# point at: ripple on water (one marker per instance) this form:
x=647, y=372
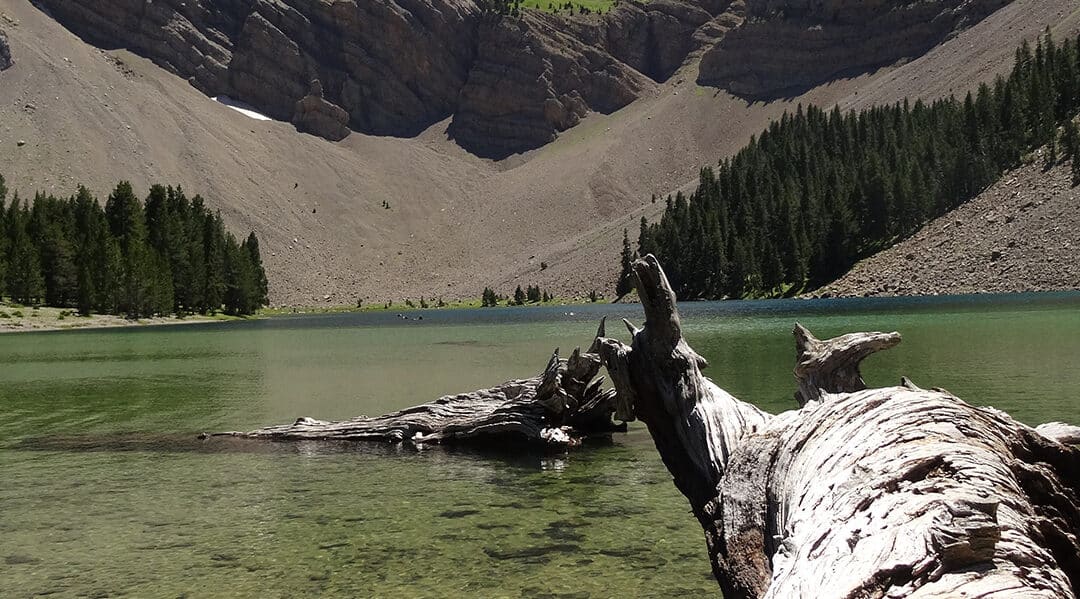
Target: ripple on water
x=107, y=491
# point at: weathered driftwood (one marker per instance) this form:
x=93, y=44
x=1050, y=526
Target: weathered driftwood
x=558, y=408
x=894, y=492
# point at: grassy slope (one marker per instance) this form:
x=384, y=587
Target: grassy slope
x=15, y=318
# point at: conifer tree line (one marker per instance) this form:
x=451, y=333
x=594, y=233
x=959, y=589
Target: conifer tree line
x=818, y=190
x=532, y=294
x=167, y=255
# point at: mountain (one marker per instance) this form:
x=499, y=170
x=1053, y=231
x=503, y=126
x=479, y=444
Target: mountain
x=509, y=150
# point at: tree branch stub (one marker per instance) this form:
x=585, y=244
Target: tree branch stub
x=832, y=365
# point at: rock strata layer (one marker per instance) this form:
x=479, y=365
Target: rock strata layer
x=508, y=83
x=787, y=46
x=314, y=115
x=396, y=67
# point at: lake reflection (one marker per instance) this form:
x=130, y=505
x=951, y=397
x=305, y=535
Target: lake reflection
x=108, y=492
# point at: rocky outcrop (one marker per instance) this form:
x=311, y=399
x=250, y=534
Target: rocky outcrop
x=532, y=79
x=395, y=67
x=314, y=115
x=5, y=52
x=787, y=46
x=540, y=74
x=654, y=38
x=510, y=84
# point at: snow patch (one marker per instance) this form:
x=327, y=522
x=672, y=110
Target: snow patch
x=243, y=108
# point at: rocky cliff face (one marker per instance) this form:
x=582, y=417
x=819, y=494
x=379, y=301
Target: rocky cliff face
x=532, y=79
x=395, y=67
x=786, y=46
x=540, y=74
x=5, y=52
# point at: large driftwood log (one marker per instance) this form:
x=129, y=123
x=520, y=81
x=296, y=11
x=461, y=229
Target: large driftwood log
x=894, y=492
x=557, y=408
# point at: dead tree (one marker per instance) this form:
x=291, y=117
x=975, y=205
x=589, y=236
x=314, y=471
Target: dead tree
x=894, y=492
x=557, y=408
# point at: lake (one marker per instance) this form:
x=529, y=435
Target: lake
x=107, y=492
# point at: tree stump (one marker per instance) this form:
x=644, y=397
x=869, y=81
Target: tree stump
x=558, y=408
x=893, y=492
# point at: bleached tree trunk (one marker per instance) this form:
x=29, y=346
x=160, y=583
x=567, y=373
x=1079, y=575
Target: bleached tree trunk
x=559, y=408
x=894, y=492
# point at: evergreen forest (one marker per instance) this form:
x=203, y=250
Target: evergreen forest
x=166, y=255
x=819, y=190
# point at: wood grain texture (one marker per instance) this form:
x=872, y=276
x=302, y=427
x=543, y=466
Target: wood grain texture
x=558, y=408
x=892, y=492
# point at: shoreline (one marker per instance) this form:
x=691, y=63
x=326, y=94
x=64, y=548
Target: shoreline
x=19, y=319
x=24, y=319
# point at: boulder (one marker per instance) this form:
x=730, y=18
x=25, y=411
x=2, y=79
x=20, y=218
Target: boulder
x=314, y=115
x=5, y=52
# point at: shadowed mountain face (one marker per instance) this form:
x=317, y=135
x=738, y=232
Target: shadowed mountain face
x=395, y=67
x=785, y=47
x=510, y=84
x=455, y=223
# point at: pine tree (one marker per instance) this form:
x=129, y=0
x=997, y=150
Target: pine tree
x=24, y=279
x=519, y=296
x=128, y=225
x=214, y=262
x=1070, y=139
x=241, y=292
x=261, y=286
x=3, y=238
x=818, y=190
x=625, y=283
x=50, y=227
x=645, y=245
x=131, y=258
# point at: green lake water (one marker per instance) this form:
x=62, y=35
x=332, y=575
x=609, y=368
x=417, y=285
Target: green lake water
x=105, y=491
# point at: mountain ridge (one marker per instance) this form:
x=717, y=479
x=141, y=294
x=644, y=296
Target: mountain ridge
x=508, y=83
x=456, y=222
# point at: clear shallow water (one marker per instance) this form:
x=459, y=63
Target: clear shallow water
x=105, y=491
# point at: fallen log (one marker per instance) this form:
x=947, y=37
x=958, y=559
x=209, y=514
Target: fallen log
x=558, y=408
x=893, y=492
